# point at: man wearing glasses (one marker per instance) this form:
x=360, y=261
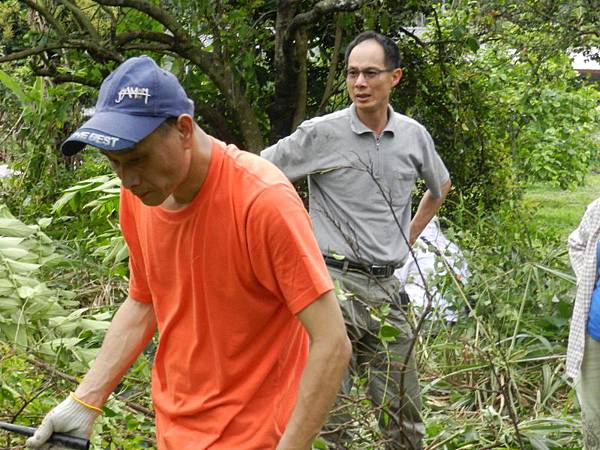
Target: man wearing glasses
x=362, y=163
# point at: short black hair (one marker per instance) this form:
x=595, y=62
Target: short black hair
x=390, y=49
x=166, y=126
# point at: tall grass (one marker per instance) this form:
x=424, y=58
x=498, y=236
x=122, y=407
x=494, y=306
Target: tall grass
x=495, y=378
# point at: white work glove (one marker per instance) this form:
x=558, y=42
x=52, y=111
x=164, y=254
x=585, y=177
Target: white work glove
x=68, y=417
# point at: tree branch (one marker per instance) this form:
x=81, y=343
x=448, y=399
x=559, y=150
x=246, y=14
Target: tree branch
x=81, y=19
x=215, y=119
x=54, y=371
x=65, y=78
x=95, y=47
x=30, y=52
x=46, y=15
x=321, y=8
x=157, y=13
x=412, y=35
x=333, y=64
x=213, y=24
x=129, y=36
x=155, y=47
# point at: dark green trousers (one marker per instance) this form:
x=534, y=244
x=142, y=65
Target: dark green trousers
x=391, y=377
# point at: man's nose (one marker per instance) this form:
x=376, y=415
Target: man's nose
x=129, y=178
x=360, y=79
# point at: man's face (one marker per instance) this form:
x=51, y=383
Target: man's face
x=155, y=167
x=368, y=79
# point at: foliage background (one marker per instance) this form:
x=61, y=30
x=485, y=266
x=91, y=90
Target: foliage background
x=491, y=80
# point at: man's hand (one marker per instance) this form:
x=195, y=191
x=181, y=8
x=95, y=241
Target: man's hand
x=68, y=417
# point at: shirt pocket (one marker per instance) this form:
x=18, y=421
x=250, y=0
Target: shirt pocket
x=402, y=183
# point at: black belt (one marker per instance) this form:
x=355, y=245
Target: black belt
x=346, y=264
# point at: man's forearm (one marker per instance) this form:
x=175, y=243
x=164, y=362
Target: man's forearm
x=330, y=352
x=131, y=329
x=320, y=383
x=428, y=207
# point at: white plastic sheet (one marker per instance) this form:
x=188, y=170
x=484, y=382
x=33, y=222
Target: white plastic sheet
x=431, y=249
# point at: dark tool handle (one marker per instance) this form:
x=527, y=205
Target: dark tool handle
x=67, y=440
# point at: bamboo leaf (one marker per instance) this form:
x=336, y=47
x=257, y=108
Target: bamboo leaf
x=14, y=86
x=10, y=242
x=21, y=267
x=14, y=228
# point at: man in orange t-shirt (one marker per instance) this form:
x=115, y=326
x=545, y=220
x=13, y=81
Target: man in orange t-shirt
x=224, y=264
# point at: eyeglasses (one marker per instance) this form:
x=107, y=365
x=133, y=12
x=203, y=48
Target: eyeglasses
x=369, y=74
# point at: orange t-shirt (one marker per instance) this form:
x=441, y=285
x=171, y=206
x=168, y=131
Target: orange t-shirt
x=226, y=276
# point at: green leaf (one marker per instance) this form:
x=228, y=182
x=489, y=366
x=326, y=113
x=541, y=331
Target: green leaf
x=13, y=253
x=14, y=228
x=10, y=242
x=44, y=223
x=63, y=200
x=15, y=333
x=94, y=325
x=472, y=44
x=388, y=332
x=8, y=304
x=21, y=267
x=14, y=86
x=319, y=444
x=54, y=345
x=538, y=444
x=113, y=186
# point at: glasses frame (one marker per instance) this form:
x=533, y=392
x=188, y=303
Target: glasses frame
x=370, y=73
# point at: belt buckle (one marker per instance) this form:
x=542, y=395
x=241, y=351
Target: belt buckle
x=382, y=271
x=377, y=270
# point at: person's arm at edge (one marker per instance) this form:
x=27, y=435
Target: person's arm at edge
x=428, y=207
x=578, y=240
x=328, y=358
x=130, y=331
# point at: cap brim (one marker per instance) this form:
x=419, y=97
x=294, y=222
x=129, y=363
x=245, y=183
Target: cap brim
x=111, y=131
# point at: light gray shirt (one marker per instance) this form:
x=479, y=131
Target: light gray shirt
x=360, y=184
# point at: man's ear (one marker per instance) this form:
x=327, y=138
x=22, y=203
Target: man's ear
x=397, y=76
x=185, y=127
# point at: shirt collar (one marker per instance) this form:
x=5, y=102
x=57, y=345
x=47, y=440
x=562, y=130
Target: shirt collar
x=360, y=128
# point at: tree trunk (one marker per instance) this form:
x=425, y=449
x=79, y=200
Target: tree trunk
x=301, y=51
x=282, y=110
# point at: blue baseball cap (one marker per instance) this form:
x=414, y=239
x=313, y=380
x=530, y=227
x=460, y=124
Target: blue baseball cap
x=133, y=101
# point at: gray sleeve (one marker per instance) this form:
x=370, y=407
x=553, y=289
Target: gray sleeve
x=296, y=154
x=432, y=169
